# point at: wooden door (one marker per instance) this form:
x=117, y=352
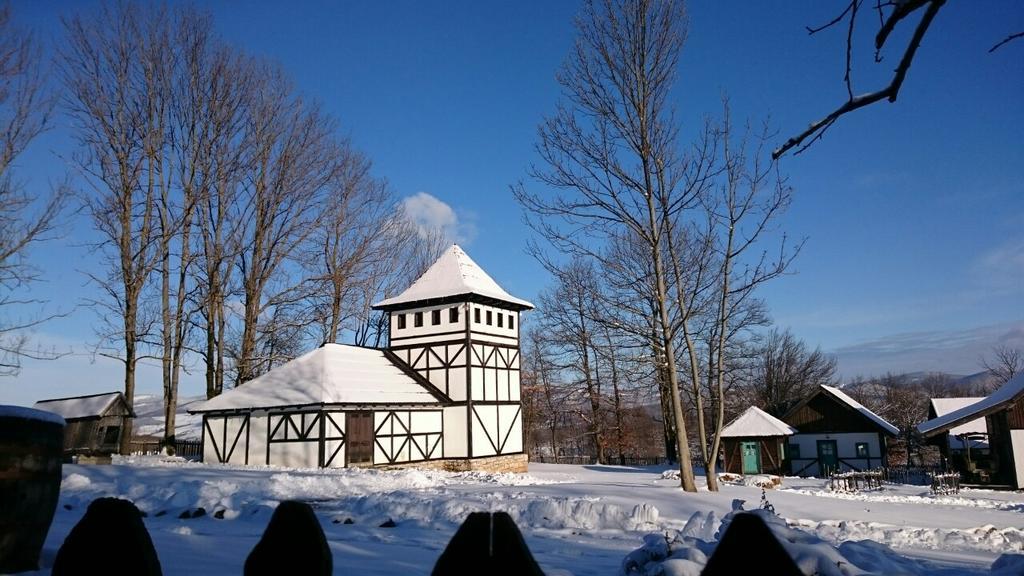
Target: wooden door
x=828, y=457
x=751, y=457
x=359, y=435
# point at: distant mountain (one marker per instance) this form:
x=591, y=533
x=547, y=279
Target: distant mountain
x=949, y=385
x=149, y=417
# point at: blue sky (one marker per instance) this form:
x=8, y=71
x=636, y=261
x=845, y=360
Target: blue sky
x=913, y=212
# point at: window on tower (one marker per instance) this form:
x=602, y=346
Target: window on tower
x=435, y=317
x=489, y=318
x=501, y=320
x=476, y=315
x=417, y=319
x=511, y=321
x=453, y=314
x=401, y=321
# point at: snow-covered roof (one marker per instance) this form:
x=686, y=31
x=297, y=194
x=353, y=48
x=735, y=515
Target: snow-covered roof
x=25, y=413
x=331, y=374
x=845, y=399
x=1006, y=394
x=453, y=274
x=943, y=406
x=92, y=406
x=755, y=422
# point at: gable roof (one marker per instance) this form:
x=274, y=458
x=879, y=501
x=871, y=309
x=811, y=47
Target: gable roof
x=943, y=406
x=755, y=422
x=846, y=399
x=453, y=274
x=1002, y=398
x=89, y=406
x=332, y=374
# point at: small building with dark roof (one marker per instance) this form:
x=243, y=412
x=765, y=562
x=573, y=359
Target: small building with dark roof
x=835, y=433
x=1003, y=411
x=754, y=443
x=95, y=422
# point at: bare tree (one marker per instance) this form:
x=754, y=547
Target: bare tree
x=567, y=319
x=117, y=99
x=890, y=16
x=291, y=161
x=1005, y=363
x=411, y=250
x=786, y=371
x=609, y=151
x=352, y=240
x=24, y=113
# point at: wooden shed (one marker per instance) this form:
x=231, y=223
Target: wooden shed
x=835, y=433
x=754, y=443
x=1003, y=411
x=94, y=422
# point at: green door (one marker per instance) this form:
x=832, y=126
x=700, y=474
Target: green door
x=751, y=457
x=828, y=457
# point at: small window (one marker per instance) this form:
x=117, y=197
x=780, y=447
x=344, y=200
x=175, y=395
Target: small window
x=111, y=434
x=511, y=322
x=417, y=319
x=501, y=320
x=794, y=451
x=401, y=321
x=453, y=314
x=862, y=449
x=476, y=315
x=435, y=317
x=489, y=318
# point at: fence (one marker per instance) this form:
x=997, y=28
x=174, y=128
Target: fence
x=855, y=481
x=915, y=475
x=592, y=460
x=188, y=449
x=946, y=483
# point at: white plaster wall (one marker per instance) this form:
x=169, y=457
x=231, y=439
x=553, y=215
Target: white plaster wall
x=457, y=384
x=427, y=329
x=484, y=423
x=455, y=432
x=485, y=332
x=258, y=437
x=423, y=422
x=331, y=445
x=236, y=430
x=514, y=431
x=845, y=447
x=515, y=393
x=1017, y=446
x=295, y=454
x=211, y=429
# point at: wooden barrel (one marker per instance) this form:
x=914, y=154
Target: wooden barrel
x=31, y=446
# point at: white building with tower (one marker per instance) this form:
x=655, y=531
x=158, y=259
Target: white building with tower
x=444, y=392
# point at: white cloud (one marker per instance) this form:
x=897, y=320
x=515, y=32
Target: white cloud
x=953, y=351
x=429, y=214
x=1001, y=268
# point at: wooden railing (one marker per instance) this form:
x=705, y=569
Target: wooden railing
x=946, y=483
x=592, y=460
x=188, y=449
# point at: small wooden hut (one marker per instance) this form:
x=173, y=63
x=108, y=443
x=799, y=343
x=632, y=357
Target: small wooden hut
x=94, y=422
x=754, y=443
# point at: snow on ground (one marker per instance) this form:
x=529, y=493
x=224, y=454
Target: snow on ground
x=576, y=519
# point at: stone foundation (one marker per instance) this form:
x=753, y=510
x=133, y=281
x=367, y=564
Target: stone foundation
x=511, y=463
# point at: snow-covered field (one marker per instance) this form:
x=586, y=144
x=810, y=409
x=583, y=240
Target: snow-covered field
x=576, y=519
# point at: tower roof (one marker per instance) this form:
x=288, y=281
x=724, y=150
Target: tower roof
x=453, y=276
